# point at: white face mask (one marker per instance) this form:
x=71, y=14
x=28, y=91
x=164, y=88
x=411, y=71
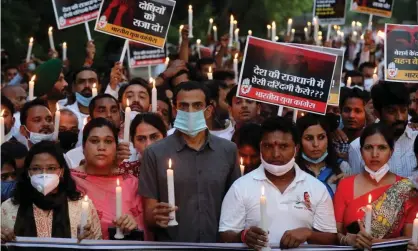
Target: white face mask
x=379, y=174
x=45, y=183
x=35, y=138
x=9, y=135
x=278, y=170
x=368, y=84
x=133, y=114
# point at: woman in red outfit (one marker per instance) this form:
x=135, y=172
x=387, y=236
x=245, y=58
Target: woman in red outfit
x=394, y=199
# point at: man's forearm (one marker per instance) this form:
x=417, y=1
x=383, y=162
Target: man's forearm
x=230, y=236
x=219, y=56
x=322, y=238
x=184, y=51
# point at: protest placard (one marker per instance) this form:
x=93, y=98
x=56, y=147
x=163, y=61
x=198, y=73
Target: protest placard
x=334, y=97
x=142, y=55
x=381, y=8
x=141, y=21
x=285, y=75
x=401, y=53
x=72, y=12
x=329, y=11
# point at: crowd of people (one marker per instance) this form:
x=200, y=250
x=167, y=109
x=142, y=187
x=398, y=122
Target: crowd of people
x=317, y=175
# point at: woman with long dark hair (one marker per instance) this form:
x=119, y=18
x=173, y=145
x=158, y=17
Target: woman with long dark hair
x=46, y=202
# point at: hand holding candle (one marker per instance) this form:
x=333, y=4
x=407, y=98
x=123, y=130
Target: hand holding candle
x=119, y=234
x=171, y=197
x=28, y=54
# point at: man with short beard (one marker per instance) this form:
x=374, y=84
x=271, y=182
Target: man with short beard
x=390, y=102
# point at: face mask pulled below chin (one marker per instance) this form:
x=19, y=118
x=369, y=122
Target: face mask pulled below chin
x=379, y=174
x=35, y=138
x=190, y=123
x=7, y=188
x=368, y=84
x=315, y=161
x=45, y=183
x=276, y=169
x=84, y=101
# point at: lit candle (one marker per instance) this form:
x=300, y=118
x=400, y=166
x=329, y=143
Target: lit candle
x=415, y=231
x=57, y=122
x=210, y=25
x=273, y=31
x=29, y=50
x=84, y=214
x=231, y=30
x=276, y=38
x=295, y=115
x=375, y=76
x=236, y=67
x=2, y=127
x=370, y=22
x=359, y=26
x=198, y=47
x=119, y=234
x=190, y=21
x=328, y=32
x=180, y=30
x=268, y=31
x=316, y=28
x=235, y=24
x=127, y=123
x=210, y=74
x=250, y=32
x=263, y=211
x=51, y=39
x=64, y=51
x=153, y=96
x=309, y=27
x=236, y=35
x=368, y=218
x=171, y=197
x=94, y=91
x=354, y=38
x=280, y=111
x=31, y=87
x=348, y=82
x=85, y=121
x=125, y=47
x=289, y=26
x=306, y=33
x=241, y=166
x=149, y=71
x=292, y=35
x=86, y=25
x=215, y=33
x=353, y=25
x=167, y=61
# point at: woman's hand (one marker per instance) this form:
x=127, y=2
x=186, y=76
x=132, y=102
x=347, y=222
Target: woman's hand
x=411, y=246
x=362, y=240
x=7, y=235
x=87, y=233
x=126, y=223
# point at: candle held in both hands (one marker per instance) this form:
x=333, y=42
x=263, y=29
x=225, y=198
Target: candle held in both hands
x=119, y=234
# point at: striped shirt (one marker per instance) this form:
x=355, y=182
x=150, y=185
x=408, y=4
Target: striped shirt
x=402, y=162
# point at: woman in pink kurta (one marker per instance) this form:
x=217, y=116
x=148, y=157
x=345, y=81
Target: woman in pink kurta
x=98, y=178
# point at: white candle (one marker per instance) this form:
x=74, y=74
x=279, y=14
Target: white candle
x=242, y=167
x=295, y=115
x=94, y=90
x=57, y=122
x=210, y=74
x=276, y=38
x=353, y=25
x=127, y=123
x=84, y=213
x=370, y=22
x=316, y=28
x=415, y=231
x=29, y=50
x=309, y=27
x=231, y=30
x=125, y=47
x=198, y=47
x=348, y=82
x=64, y=51
x=85, y=121
x=31, y=87
x=329, y=32
x=171, y=197
x=149, y=71
x=250, y=32
x=153, y=96
x=2, y=127
x=190, y=21
x=268, y=31
x=289, y=26
x=86, y=25
x=180, y=37
x=236, y=35
x=280, y=111
x=215, y=33
x=273, y=31
x=359, y=26
x=375, y=77
x=263, y=211
x=51, y=39
x=368, y=218
x=235, y=24
x=210, y=25
x=236, y=67
x=167, y=61
x=306, y=33
x=292, y=35
x=119, y=234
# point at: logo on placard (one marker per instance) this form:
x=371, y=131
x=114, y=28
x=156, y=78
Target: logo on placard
x=392, y=70
x=62, y=20
x=102, y=22
x=245, y=86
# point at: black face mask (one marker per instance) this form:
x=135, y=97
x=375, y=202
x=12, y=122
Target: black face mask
x=68, y=140
x=333, y=121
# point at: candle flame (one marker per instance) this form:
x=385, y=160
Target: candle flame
x=236, y=31
x=242, y=161
x=169, y=163
x=276, y=38
x=94, y=85
x=417, y=215
x=235, y=21
x=86, y=198
x=167, y=60
x=250, y=32
x=127, y=102
x=375, y=70
x=359, y=24
x=273, y=24
x=117, y=182
x=198, y=41
x=2, y=112
x=64, y=45
x=181, y=27
x=262, y=190
x=268, y=26
x=290, y=21
x=215, y=28
x=305, y=29
x=50, y=29
x=353, y=23
x=236, y=55
x=293, y=30
x=57, y=106
x=355, y=33
x=190, y=7
x=302, y=114
x=231, y=18
x=152, y=81
x=31, y=40
x=210, y=20
x=370, y=198
x=309, y=23
x=33, y=78
x=210, y=69
x=335, y=27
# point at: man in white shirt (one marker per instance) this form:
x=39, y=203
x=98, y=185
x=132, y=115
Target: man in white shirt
x=390, y=102
x=299, y=208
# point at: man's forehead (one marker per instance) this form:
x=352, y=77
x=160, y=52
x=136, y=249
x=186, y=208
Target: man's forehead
x=86, y=74
x=277, y=136
x=107, y=102
x=38, y=110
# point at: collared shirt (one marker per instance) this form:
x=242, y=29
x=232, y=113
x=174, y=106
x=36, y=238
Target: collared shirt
x=201, y=180
x=402, y=162
x=304, y=203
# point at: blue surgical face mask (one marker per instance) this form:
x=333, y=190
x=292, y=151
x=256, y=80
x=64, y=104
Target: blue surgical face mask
x=7, y=188
x=315, y=161
x=190, y=123
x=84, y=101
x=31, y=67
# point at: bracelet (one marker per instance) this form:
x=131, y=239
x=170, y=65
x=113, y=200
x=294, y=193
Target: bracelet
x=341, y=240
x=244, y=235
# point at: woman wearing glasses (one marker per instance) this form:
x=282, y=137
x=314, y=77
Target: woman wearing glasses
x=46, y=202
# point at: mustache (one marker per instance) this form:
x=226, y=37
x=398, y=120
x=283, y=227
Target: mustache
x=400, y=122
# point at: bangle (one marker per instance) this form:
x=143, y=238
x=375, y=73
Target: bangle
x=244, y=235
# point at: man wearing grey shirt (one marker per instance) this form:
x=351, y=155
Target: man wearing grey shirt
x=204, y=168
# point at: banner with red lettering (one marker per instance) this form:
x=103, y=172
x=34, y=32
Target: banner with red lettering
x=285, y=75
x=73, y=12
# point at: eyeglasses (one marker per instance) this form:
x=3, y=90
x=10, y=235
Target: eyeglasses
x=38, y=170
